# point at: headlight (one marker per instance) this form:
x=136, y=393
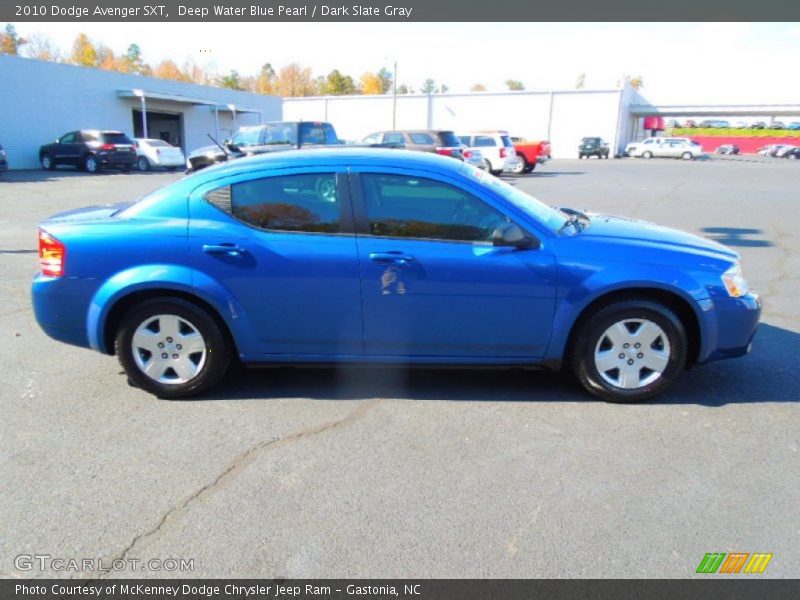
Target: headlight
x=734, y=281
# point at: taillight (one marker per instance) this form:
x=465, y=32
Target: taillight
x=107, y=147
x=502, y=152
x=51, y=255
x=467, y=153
x=444, y=151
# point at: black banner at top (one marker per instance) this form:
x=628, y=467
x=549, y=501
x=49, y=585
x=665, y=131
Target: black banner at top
x=397, y=10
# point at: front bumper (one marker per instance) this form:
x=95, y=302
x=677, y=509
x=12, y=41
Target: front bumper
x=3, y=165
x=731, y=324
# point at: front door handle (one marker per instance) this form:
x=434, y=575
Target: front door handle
x=391, y=257
x=226, y=249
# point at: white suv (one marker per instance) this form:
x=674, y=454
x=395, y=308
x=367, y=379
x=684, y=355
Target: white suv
x=496, y=148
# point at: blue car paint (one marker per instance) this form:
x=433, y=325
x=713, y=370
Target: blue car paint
x=520, y=310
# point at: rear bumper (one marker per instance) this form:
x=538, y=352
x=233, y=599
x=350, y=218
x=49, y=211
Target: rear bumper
x=61, y=306
x=731, y=324
x=113, y=160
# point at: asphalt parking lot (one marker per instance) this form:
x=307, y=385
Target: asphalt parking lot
x=393, y=473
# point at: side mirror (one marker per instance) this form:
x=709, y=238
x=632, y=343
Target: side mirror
x=57, y=141
x=511, y=234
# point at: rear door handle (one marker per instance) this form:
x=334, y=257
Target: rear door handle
x=227, y=249
x=391, y=257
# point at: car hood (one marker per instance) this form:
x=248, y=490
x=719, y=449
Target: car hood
x=215, y=150
x=607, y=228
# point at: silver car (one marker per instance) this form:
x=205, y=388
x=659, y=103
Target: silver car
x=665, y=148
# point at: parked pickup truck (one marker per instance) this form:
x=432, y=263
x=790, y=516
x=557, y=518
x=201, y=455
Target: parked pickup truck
x=529, y=154
x=260, y=139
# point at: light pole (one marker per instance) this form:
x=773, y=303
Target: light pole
x=140, y=94
x=394, y=97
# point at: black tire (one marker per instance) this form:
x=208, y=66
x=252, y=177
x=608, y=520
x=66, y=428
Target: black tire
x=487, y=165
x=143, y=164
x=91, y=164
x=47, y=161
x=530, y=168
x=215, y=363
x=126, y=168
x=497, y=172
x=590, y=336
x=520, y=166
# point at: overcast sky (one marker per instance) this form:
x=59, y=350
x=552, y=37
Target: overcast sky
x=680, y=62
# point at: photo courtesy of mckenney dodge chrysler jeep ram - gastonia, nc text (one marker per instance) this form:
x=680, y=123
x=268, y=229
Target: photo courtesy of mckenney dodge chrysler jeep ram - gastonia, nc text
x=366, y=255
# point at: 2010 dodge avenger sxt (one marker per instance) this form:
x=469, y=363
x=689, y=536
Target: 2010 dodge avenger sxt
x=383, y=256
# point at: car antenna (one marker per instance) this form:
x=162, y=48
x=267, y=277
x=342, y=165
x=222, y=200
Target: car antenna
x=220, y=146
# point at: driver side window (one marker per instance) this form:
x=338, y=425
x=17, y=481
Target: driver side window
x=403, y=206
x=67, y=139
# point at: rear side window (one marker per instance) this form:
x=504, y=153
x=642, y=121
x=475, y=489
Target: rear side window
x=306, y=202
x=449, y=138
x=464, y=140
x=317, y=133
x=421, y=138
x=393, y=137
x=483, y=141
x=414, y=207
x=115, y=138
x=507, y=141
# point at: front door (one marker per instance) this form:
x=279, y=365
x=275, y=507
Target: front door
x=433, y=285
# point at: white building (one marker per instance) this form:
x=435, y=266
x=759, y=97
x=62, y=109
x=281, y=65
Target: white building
x=40, y=101
x=561, y=116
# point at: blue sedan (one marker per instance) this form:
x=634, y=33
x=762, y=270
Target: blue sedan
x=383, y=256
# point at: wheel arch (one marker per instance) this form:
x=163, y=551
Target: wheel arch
x=680, y=305
x=127, y=302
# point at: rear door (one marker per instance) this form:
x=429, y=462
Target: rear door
x=282, y=244
x=434, y=287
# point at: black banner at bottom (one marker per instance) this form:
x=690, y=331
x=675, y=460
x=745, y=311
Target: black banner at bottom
x=399, y=589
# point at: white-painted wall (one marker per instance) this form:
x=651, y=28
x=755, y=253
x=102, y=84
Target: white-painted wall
x=40, y=101
x=562, y=116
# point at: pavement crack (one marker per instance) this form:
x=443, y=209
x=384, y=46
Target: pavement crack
x=239, y=464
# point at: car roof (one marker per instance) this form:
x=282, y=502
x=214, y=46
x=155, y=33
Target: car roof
x=336, y=156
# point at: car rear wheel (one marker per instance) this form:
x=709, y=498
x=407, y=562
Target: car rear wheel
x=686, y=156
x=47, y=162
x=90, y=164
x=629, y=351
x=487, y=165
x=520, y=166
x=143, y=164
x=172, y=348
x=647, y=154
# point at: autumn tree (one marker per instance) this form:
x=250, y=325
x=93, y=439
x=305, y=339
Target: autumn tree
x=337, y=84
x=478, y=87
x=385, y=79
x=41, y=47
x=106, y=59
x=293, y=80
x=167, y=69
x=371, y=84
x=514, y=85
x=265, y=81
x=10, y=42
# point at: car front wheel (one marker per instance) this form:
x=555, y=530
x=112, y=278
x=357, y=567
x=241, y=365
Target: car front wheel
x=47, y=162
x=686, y=156
x=172, y=348
x=629, y=351
x=647, y=154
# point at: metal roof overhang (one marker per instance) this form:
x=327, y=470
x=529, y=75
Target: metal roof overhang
x=212, y=104
x=729, y=110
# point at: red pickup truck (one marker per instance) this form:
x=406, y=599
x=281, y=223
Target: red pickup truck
x=529, y=154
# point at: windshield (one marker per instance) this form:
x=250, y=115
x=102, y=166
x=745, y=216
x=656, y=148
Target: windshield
x=547, y=215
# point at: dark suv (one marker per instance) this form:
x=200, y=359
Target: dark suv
x=437, y=141
x=593, y=146
x=90, y=150
x=261, y=139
